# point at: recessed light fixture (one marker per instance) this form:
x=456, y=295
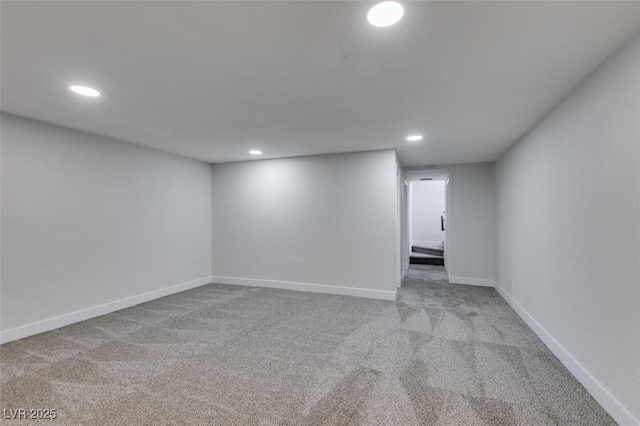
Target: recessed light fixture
x=385, y=14
x=255, y=152
x=85, y=91
x=414, y=138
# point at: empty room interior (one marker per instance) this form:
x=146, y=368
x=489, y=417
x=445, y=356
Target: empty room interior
x=320, y=213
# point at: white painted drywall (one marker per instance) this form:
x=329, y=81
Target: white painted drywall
x=447, y=201
x=470, y=227
x=569, y=227
x=88, y=220
x=427, y=205
x=405, y=250
x=323, y=220
x=398, y=223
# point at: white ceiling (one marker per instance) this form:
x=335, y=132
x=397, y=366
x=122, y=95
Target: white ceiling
x=211, y=80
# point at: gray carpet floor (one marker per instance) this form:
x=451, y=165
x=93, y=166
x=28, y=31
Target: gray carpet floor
x=441, y=354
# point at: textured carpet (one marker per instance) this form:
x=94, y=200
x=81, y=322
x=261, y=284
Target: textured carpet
x=441, y=355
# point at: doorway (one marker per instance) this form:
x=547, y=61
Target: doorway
x=427, y=221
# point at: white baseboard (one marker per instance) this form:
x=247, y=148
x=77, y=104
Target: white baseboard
x=95, y=311
x=481, y=282
x=314, y=288
x=619, y=413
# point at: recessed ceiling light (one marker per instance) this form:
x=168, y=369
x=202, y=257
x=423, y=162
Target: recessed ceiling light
x=84, y=91
x=414, y=138
x=255, y=152
x=385, y=14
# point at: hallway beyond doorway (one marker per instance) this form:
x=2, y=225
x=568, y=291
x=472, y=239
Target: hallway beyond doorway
x=426, y=221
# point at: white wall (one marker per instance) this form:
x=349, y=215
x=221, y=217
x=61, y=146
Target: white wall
x=569, y=231
x=470, y=227
x=427, y=205
x=404, y=222
x=307, y=223
x=398, y=221
x=88, y=220
x=447, y=208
